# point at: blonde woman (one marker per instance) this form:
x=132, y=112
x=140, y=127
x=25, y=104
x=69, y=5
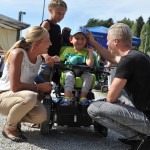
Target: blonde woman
x=18, y=92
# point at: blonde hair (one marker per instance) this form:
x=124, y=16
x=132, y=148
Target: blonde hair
x=34, y=34
x=121, y=31
x=57, y=3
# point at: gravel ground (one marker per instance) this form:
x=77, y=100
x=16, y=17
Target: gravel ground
x=63, y=138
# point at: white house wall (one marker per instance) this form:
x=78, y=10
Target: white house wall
x=7, y=38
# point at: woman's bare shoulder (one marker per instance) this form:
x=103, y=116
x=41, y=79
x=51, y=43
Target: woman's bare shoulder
x=16, y=53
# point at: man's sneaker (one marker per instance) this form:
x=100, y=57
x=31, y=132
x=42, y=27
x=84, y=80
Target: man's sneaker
x=139, y=142
x=100, y=130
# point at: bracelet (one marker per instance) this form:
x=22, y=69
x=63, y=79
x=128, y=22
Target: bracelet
x=35, y=87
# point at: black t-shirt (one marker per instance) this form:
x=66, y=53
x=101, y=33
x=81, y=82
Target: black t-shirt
x=55, y=37
x=135, y=67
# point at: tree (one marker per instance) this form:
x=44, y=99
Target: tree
x=137, y=27
x=108, y=23
x=129, y=22
x=145, y=38
x=95, y=22
x=92, y=22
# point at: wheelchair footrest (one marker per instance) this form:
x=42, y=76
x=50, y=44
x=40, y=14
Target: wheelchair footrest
x=73, y=116
x=72, y=109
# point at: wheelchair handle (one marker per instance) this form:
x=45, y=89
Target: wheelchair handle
x=92, y=69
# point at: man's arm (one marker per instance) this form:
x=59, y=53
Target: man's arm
x=115, y=89
x=103, y=51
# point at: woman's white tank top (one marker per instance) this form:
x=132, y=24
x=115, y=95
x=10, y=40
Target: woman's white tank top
x=28, y=71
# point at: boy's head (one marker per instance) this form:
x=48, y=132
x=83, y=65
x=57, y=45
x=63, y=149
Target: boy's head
x=77, y=31
x=78, y=38
x=57, y=9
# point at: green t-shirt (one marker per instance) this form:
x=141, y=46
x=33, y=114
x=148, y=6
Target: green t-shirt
x=84, y=53
x=69, y=50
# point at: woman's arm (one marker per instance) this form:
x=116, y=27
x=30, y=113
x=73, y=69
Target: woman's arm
x=15, y=60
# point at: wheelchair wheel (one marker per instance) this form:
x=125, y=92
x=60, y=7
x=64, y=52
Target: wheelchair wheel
x=46, y=126
x=100, y=130
x=90, y=96
x=97, y=86
x=104, y=88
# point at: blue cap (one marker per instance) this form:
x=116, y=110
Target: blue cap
x=77, y=30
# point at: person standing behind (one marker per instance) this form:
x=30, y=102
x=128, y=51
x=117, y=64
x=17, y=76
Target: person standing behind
x=133, y=75
x=18, y=92
x=57, y=10
x=65, y=36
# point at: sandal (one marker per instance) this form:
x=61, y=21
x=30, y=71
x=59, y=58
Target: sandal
x=35, y=126
x=65, y=102
x=84, y=101
x=18, y=138
x=19, y=128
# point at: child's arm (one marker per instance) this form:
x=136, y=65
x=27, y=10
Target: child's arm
x=90, y=59
x=62, y=53
x=48, y=60
x=46, y=25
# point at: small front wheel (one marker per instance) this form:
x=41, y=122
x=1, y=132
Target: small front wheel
x=104, y=88
x=46, y=126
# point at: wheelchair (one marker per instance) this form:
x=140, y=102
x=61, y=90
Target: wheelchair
x=74, y=115
x=102, y=82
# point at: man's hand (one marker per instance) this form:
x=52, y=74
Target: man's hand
x=90, y=36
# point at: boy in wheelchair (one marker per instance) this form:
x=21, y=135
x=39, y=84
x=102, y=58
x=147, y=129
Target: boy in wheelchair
x=77, y=54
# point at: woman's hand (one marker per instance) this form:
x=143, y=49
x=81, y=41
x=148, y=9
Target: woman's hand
x=45, y=87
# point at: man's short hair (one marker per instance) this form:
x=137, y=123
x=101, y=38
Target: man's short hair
x=121, y=31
